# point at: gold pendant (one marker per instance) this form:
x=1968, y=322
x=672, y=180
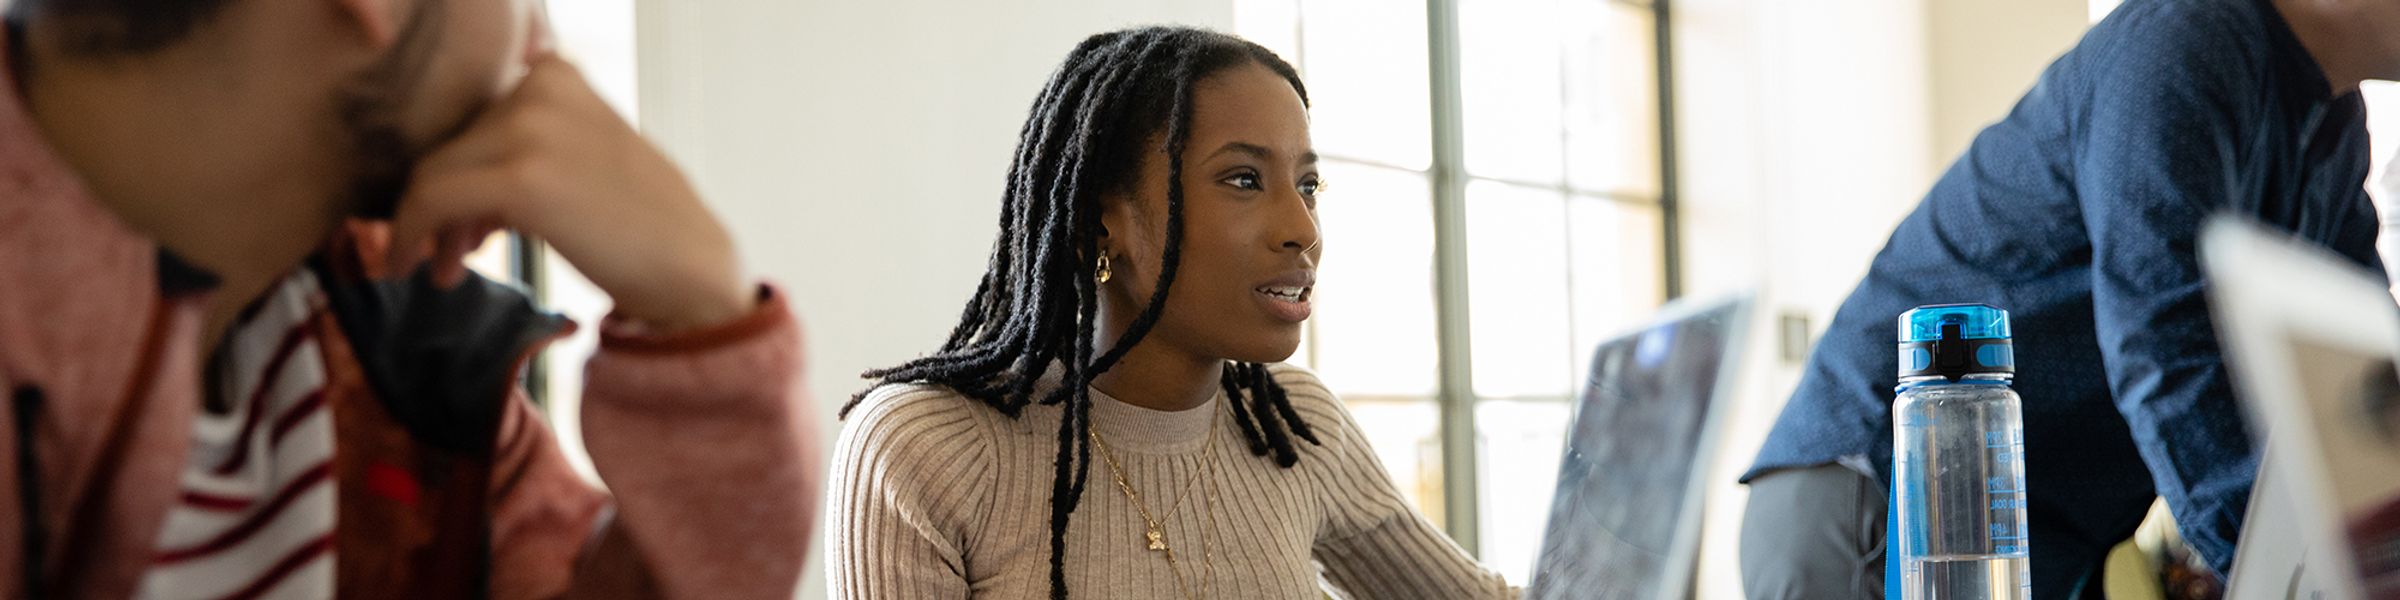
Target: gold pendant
x=1157, y=542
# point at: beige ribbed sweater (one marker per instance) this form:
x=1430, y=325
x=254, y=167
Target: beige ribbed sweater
x=935, y=495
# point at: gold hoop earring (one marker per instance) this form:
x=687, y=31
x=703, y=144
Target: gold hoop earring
x=1100, y=272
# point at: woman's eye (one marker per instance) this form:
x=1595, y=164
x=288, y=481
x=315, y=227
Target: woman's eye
x=1247, y=181
x=1312, y=187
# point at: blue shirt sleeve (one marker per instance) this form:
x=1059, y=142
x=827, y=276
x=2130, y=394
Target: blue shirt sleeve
x=2162, y=148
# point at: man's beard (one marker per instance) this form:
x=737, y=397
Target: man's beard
x=372, y=108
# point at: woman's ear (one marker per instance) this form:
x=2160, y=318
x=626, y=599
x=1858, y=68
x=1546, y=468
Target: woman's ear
x=1116, y=214
x=1102, y=273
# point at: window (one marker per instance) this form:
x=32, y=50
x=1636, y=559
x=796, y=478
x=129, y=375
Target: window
x=1553, y=196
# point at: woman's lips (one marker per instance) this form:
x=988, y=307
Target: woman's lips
x=1286, y=297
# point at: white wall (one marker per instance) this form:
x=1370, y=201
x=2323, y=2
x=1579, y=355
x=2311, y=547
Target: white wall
x=1803, y=137
x=857, y=148
x=1986, y=53
x=1807, y=130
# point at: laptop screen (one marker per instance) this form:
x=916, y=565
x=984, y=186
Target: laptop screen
x=2356, y=434
x=2311, y=339
x=1623, y=520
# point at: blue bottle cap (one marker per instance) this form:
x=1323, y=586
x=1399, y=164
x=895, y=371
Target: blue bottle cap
x=1975, y=322
x=1955, y=340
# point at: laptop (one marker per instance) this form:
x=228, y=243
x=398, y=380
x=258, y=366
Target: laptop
x=2311, y=340
x=1624, y=522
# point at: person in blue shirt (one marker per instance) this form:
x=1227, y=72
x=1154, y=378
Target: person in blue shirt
x=2079, y=213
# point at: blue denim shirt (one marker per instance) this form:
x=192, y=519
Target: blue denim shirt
x=2079, y=213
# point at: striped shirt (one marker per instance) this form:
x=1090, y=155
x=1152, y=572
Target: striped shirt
x=935, y=495
x=256, y=516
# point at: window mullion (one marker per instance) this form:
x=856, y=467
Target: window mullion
x=1670, y=210
x=1449, y=183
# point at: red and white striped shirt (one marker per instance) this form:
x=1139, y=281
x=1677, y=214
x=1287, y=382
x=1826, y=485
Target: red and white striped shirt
x=256, y=516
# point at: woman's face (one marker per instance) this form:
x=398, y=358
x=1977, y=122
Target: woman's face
x=1250, y=246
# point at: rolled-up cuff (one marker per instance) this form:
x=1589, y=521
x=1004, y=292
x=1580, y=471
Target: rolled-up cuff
x=621, y=334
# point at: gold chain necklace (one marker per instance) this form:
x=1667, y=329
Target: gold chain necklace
x=1155, y=533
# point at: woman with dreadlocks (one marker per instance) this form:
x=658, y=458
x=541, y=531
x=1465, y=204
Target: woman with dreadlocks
x=1107, y=418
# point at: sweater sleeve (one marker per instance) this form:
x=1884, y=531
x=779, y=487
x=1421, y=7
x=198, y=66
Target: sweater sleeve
x=1374, y=545
x=701, y=435
x=912, y=474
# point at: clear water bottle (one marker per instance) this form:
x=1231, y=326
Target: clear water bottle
x=1958, y=458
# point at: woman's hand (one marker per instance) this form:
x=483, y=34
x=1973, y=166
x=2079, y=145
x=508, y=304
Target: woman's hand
x=553, y=161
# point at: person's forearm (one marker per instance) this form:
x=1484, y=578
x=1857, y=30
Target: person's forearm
x=701, y=437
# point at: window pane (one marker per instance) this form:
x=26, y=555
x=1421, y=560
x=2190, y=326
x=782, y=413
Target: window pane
x=567, y=292
x=1365, y=69
x=1611, y=98
x=494, y=259
x=1272, y=23
x=1509, y=72
x=1517, y=277
x=1612, y=250
x=1619, y=277
x=1405, y=433
x=1373, y=332
x=2383, y=142
x=598, y=36
x=1522, y=442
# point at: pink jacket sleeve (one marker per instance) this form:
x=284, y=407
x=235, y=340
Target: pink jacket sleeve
x=702, y=437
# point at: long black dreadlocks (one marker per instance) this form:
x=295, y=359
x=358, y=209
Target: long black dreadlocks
x=1035, y=306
